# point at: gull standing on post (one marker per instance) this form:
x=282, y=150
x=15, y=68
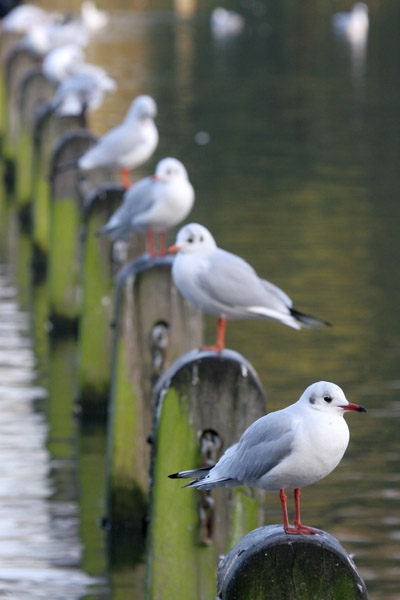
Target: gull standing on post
x=285, y=450
x=153, y=205
x=127, y=145
x=224, y=285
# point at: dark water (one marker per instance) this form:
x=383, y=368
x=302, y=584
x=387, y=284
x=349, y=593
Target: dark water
x=300, y=177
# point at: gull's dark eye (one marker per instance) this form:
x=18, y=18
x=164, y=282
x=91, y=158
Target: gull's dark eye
x=201, y=239
x=190, y=240
x=328, y=399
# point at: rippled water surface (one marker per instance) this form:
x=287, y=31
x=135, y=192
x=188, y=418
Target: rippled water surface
x=300, y=177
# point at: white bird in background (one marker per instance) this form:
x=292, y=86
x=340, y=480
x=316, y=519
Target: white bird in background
x=43, y=38
x=92, y=18
x=21, y=18
x=224, y=285
x=285, y=450
x=353, y=28
x=353, y=25
x=225, y=23
x=129, y=144
x=83, y=91
x=61, y=63
x=153, y=205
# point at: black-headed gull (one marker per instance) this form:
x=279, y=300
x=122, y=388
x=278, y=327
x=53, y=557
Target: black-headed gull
x=154, y=204
x=224, y=285
x=285, y=450
x=127, y=145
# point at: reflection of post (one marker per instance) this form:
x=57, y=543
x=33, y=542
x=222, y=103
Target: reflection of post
x=204, y=402
x=154, y=325
x=185, y=8
x=268, y=563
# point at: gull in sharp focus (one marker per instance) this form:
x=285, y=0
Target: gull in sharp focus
x=285, y=450
x=154, y=204
x=127, y=145
x=224, y=285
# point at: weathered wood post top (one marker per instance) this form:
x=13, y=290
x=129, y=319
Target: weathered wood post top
x=269, y=564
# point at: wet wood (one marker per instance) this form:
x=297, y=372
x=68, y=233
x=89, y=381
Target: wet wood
x=204, y=397
x=68, y=189
x=268, y=564
x=33, y=89
x=48, y=128
x=17, y=61
x=154, y=325
x=95, y=333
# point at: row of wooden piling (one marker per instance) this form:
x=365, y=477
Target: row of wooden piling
x=166, y=406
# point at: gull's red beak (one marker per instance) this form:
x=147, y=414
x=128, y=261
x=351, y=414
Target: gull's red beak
x=354, y=407
x=173, y=249
x=155, y=178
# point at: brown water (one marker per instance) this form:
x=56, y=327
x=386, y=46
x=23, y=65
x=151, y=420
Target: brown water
x=300, y=177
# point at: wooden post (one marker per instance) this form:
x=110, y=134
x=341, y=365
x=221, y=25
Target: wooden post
x=204, y=402
x=33, y=89
x=268, y=564
x=68, y=188
x=17, y=62
x=153, y=326
x=47, y=129
x=99, y=265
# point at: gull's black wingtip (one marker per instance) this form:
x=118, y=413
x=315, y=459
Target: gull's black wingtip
x=174, y=476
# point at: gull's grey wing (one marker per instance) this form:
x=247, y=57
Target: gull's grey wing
x=138, y=199
x=232, y=282
x=262, y=446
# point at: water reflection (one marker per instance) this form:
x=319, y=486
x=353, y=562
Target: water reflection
x=40, y=549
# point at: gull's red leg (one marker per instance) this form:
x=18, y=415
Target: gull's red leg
x=299, y=528
x=283, y=498
x=162, y=247
x=125, y=178
x=150, y=242
x=220, y=344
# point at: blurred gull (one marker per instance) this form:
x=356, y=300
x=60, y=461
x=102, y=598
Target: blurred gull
x=224, y=285
x=354, y=24
x=21, y=18
x=92, y=18
x=60, y=63
x=83, y=91
x=44, y=36
x=353, y=28
x=127, y=145
x=225, y=23
x=285, y=450
x=154, y=204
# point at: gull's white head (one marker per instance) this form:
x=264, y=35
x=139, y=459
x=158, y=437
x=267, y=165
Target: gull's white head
x=142, y=107
x=328, y=397
x=170, y=170
x=192, y=239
